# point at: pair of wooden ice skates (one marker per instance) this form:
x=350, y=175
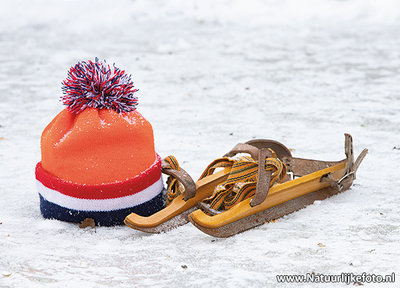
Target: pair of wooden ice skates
x=248, y=191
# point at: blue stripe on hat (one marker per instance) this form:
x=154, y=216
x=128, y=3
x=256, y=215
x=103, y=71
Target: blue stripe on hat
x=103, y=218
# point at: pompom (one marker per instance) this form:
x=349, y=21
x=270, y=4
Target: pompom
x=97, y=85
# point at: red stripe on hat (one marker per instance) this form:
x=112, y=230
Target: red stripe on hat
x=105, y=191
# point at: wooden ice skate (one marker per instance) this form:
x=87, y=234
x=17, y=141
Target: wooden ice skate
x=312, y=180
x=188, y=194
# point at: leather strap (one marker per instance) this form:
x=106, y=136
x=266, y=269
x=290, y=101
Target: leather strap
x=243, y=148
x=348, y=149
x=263, y=179
x=182, y=176
x=351, y=166
x=359, y=159
x=281, y=150
x=206, y=207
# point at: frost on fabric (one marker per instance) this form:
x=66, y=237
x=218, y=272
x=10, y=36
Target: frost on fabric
x=130, y=120
x=63, y=138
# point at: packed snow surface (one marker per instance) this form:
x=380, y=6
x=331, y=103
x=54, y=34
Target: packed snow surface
x=211, y=74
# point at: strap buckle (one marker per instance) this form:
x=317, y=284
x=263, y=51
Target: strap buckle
x=339, y=182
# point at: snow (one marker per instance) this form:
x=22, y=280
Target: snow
x=211, y=74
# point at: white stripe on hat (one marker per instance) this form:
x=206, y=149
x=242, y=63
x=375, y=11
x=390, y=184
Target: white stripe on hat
x=100, y=204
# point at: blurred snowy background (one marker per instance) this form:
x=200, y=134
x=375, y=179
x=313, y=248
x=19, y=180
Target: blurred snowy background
x=211, y=74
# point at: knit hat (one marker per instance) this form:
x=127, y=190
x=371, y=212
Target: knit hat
x=98, y=157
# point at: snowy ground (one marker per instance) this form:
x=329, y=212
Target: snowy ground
x=210, y=75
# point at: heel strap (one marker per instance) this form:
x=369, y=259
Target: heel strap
x=178, y=177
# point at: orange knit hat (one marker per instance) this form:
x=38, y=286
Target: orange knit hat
x=98, y=157
x=97, y=146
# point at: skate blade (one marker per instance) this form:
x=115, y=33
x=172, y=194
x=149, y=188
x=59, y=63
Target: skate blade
x=168, y=225
x=268, y=215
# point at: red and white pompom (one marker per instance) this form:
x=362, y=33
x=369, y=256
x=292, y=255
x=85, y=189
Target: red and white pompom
x=97, y=85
